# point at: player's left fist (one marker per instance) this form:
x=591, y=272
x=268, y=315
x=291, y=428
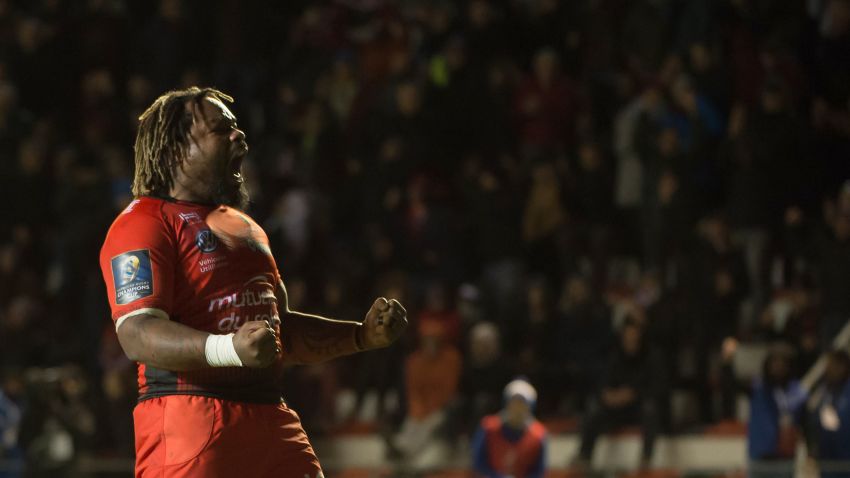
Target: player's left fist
x=385, y=322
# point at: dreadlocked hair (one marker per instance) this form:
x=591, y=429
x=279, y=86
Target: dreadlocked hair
x=163, y=138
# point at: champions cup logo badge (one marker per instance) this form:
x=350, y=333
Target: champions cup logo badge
x=206, y=241
x=129, y=269
x=132, y=276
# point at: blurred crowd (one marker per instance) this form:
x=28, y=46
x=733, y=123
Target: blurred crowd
x=603, y=196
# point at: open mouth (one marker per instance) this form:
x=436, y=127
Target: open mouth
x=235, y=165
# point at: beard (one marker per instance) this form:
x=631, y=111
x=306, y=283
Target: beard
x=233, y=194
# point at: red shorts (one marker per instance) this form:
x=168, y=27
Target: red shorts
x=187, y=436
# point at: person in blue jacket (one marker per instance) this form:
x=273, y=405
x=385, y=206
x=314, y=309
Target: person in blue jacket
x=776, y=407
x=512, y=443
x=832, y=418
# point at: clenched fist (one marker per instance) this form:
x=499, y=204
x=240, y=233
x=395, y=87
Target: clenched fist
x=256, y=344
x=384, y=323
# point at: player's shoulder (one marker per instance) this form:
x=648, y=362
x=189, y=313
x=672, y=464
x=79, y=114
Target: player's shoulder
x=142, y=210
x=142, y=220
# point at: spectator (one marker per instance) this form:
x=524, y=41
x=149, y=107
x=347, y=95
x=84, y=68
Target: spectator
x=645, y=34
x=776, y=147
x=10, y=420
x=633, y=124
x=485, y=370
x=629, y=395
x=792, y=317
x=776, y=408
x=665, y=198
x=829, y=251
x=545, y=106
x=832, y=417
x=708, y=74
x=533, y=337
x=438, y=308
x=120, y=391
x=719, y=286
x=382, y=372
x=343, y=88
x=592, y=196
x=543, y=220
x=585, y=337
x=663, y=311
x=512, y=443
x=58, y=425
x=493, y=209
x=431, y=373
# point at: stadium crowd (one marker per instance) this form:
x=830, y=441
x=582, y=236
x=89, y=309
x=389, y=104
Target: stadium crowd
x=603, y=196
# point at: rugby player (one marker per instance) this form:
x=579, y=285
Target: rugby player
x=199, y=303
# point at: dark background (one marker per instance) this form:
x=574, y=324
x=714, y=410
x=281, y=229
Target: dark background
x=554, y=168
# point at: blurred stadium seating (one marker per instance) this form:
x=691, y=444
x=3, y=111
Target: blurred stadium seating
x=550, y=169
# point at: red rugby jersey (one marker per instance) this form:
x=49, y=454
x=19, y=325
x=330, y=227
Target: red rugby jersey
x=207, y=267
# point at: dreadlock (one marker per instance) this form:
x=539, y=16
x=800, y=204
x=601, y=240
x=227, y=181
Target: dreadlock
x=162, y=138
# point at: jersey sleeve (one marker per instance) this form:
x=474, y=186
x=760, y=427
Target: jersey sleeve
x=138, y=261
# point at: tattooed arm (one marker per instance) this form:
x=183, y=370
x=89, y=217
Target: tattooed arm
x=168, y=345
x=310, y=338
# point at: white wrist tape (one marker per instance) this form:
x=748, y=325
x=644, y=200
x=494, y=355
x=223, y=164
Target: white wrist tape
x=220, y=351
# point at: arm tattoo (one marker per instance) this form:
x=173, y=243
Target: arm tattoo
x=312, y=339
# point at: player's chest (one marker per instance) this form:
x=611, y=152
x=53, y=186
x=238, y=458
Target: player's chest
x=220, y=251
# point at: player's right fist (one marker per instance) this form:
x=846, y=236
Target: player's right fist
x=255, y=344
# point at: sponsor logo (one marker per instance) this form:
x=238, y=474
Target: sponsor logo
x=132, y=276
x=208, y=264
x=232, y=322
x=261, y=305
x=246, y=298
x=206, y=241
